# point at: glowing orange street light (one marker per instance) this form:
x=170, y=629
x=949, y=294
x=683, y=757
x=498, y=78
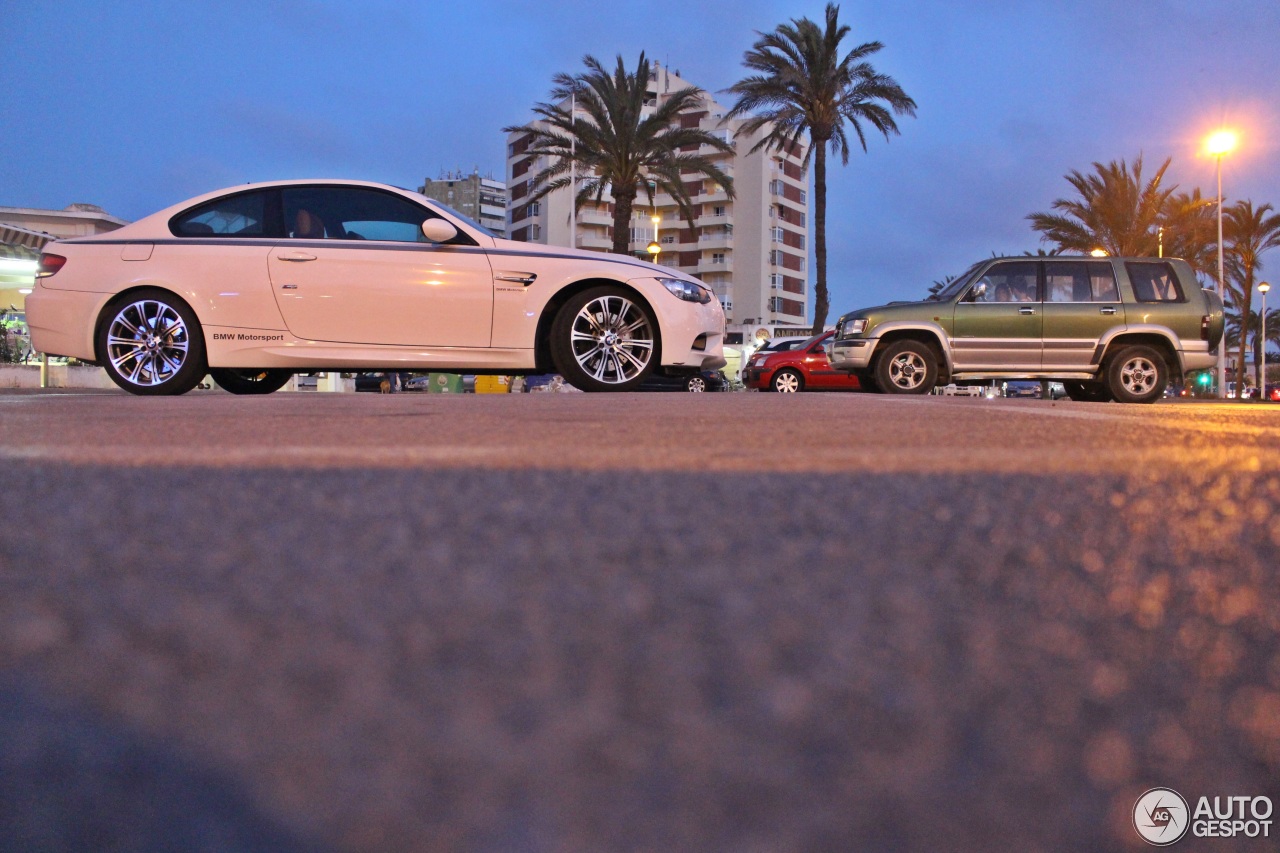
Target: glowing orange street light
x=1099, y=253
x=1221, y=142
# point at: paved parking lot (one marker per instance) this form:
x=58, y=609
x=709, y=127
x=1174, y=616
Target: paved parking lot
x=738, y=622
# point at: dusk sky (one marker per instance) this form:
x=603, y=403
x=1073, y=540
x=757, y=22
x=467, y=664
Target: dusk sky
x=136, y=106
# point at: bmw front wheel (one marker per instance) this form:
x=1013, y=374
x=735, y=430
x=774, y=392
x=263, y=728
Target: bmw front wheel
x=604, y=339
x=150, y=344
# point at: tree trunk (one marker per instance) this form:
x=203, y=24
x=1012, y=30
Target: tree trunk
x=821, y=301
x=1246, y=299
x=622, y=205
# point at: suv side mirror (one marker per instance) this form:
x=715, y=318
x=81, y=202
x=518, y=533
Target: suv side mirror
x=979, y=290
x=439, y=230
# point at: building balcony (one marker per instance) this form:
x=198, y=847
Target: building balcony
x=594, y=217
x=715, y=241
x=706, y=265
x=595, y=242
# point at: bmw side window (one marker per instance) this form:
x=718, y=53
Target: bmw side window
x=243, y=215
x=1153, y=282
x=352, y=213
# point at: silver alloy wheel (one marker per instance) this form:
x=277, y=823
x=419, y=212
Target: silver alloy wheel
x=612, y=339
x=147, y=342
x=696, y=384
x=1138, y=376
x=907, y=371
x=786, y=383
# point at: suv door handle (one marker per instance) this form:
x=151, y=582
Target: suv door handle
x=296, y=256
x=1108, y=310
x=1026, y=309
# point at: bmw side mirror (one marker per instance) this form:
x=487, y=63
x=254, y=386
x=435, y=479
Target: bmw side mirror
x=439, y=230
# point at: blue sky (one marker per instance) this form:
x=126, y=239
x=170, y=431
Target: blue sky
x=135, y=106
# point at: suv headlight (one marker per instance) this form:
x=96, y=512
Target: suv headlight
x=849, y=328
x=686, y=290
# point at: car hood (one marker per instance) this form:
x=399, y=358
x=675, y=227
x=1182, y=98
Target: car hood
x=636, y=268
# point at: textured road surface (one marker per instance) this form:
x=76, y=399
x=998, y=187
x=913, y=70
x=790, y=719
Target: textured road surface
x=732, y=622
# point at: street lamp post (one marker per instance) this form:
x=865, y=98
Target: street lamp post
x=655, y=247
x=1219, y=144
x=1262, y=362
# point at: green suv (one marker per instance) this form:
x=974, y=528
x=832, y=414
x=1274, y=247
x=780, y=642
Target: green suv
x=1107, y=328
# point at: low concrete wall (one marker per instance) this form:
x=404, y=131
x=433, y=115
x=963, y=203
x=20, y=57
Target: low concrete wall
x=60, y=376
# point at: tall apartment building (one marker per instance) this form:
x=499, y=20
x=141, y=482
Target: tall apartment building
x=483, y=199
x=752, y=250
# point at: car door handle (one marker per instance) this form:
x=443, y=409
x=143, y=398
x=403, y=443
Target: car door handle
x=1026, y=310
x=1108, y=310
x=288, y=287
x=296, y=256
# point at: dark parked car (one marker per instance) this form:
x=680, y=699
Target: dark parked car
x=706, y=380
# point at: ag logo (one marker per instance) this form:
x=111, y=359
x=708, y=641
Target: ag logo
x=1161, y=816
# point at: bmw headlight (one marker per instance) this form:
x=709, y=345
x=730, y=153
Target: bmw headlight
x=686, y=290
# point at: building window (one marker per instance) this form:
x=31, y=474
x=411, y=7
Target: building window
x=719, y=210
x=775, y=280
x=717, y=257
x=777, y=234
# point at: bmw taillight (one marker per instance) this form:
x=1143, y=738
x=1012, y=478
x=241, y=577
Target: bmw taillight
x=49, y=264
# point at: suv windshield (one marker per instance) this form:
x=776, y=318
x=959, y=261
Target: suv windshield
x=956, y=285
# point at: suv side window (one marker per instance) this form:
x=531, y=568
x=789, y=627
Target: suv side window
x=1079, y=281
x=1154, y=282
x=1015, y=281
x=241, y=215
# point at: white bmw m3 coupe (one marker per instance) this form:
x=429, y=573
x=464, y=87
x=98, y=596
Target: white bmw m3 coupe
x=254, y=283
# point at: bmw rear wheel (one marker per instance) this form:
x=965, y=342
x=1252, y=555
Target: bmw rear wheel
x=150, y=344
x=604, y=339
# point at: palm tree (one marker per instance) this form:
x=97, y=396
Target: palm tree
x=804, y=85
x=618, y=147
x=1115, y=211
x=1190, y=231
x=1247, y=232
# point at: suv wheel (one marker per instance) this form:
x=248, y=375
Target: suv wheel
x=1087, y=392
x=696, y=384
x=1137, y=374
x=906, y=367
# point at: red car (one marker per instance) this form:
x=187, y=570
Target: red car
x=804, y=368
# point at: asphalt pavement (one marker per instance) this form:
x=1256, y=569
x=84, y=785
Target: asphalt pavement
x=719, y=622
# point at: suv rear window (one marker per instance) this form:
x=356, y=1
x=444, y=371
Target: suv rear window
x=1154, y=282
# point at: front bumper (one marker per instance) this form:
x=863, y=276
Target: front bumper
x=852, y=353
x=757, y=377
